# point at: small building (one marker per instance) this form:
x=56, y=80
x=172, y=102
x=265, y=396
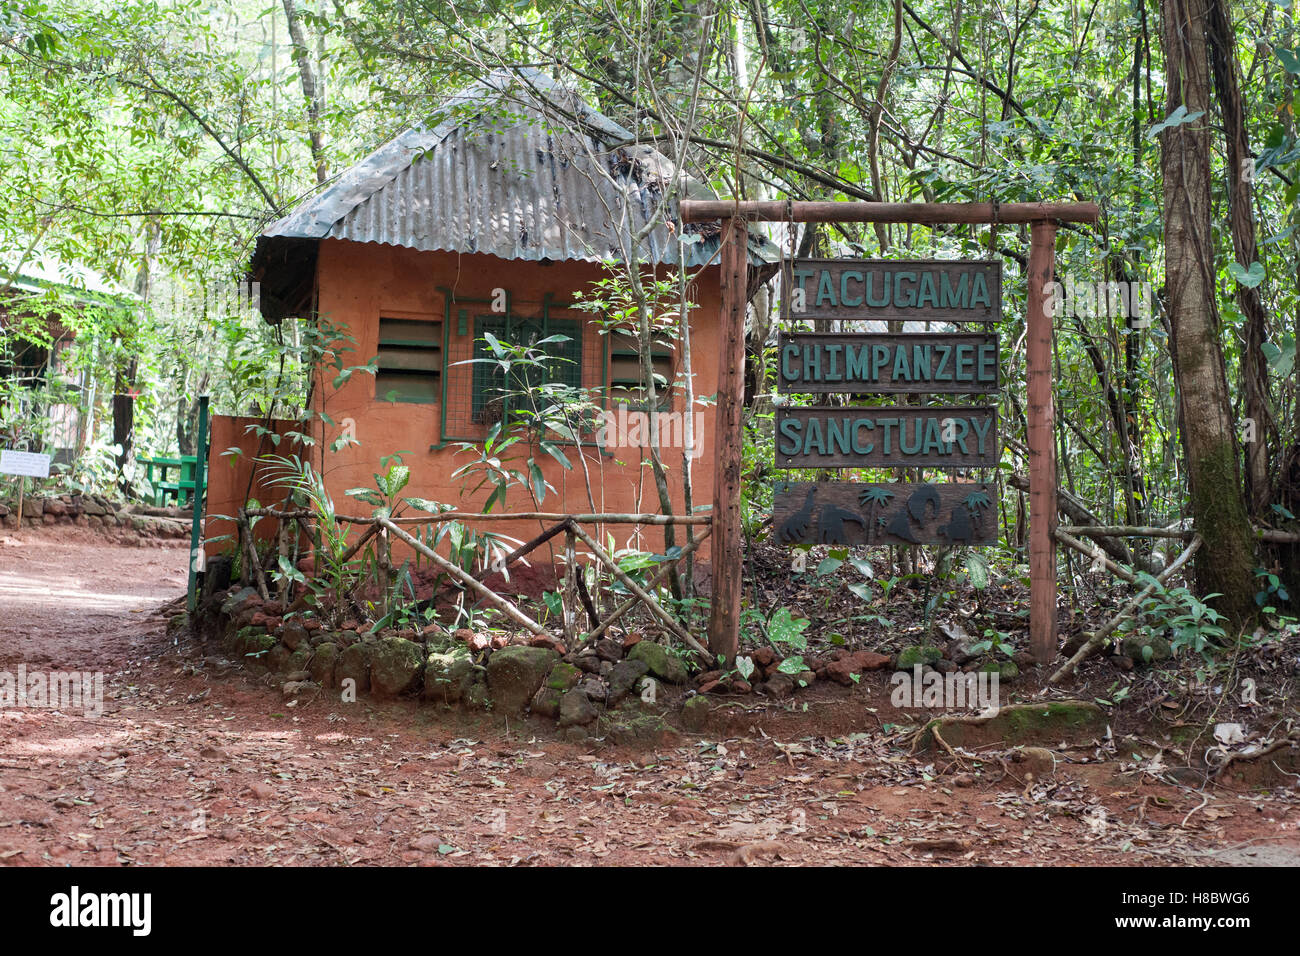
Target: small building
x=49, y=405
x=490, y=221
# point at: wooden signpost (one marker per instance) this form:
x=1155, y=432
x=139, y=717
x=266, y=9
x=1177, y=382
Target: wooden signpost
x=830, y=286
x=851, y=513
x=881, y=363
x=953, y=436
x=24, y=464
x=919, y=289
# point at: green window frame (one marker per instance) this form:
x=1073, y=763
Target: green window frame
x=564, y=365
x=625, y=385
x=408, y=366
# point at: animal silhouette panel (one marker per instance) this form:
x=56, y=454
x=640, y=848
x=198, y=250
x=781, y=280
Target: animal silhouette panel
x=854, y=514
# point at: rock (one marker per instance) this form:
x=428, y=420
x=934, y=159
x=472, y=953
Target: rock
x=909, y=657
x=608, y=649
x=624, y=677
x=395, y=666
x=322, y=663
x=714, y=687
x=1039, y=761
x=1136, y=646
x=595, y=690
x=448, y=674
x=841, y=671
x=514, y=675
x=764, y=657
x=589, y=662
x=778, y=685
x=695, y=713
x=1006, y=670
x=477, y=643
x=476, y=696
x=294, y=688
x=354, y=664
x=547, y=640
x=92, y=507
x=277, y=658
x=237, y=601
x=576, y=709
x=294, y=635
x=740, y=686
x=946, y=666
x=707, y=677
x=805, y=678
x=1068, y=721
x=563, y=677
x=660, y=662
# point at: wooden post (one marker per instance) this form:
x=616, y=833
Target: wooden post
x=1042, y=449
x=22, y=489
x=728, y=546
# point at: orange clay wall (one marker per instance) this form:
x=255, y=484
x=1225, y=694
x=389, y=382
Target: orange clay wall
x=359, y=282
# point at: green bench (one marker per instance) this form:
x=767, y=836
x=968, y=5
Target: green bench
x=178, y=489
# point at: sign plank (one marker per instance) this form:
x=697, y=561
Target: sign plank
x=950, y=436
x=848, y=513
x=880, y=363
x=944, y=290
x=29, y=464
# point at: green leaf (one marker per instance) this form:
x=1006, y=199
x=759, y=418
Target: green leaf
x=828, y=566
x=1248, y=277
x=1290, y=59
x=784, y=629
x=1177, y=118
x=977, y=569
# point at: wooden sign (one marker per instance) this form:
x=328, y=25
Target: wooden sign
x=846, y=513
x=953, y=436
x=858, y=363
x=28, y=464
x=943, y=290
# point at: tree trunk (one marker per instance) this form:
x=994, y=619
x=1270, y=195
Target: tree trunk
x=1254, y=370
x=1217, y=502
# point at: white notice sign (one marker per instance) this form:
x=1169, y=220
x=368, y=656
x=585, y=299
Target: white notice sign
x=26, y=463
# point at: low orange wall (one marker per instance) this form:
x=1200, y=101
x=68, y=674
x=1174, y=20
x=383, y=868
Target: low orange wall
x=233, y=479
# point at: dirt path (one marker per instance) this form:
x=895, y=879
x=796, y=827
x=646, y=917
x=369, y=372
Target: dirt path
x=194, y=762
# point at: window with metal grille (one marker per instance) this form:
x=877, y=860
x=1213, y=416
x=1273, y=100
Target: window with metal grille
x=493, y=395
x=409, y=366
x=626, y=385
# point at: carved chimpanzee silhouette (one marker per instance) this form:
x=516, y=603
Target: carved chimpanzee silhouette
x=830, y=524
x=959, y=528
x=924, y=498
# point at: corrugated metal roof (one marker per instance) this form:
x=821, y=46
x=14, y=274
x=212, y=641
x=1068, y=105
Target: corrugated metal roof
x=502, y=173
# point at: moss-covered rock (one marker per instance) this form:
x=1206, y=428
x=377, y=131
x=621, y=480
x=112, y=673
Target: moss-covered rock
x=1006, y=670
x=354, y=665
x=476, y=696
x=695, y=713
x=576, y=709
x=322, y=663
x=623, y=678
x=448, y=674
x=922, y=654
x=563, y=676
x=1146, y=648
x=277, y=659
x=396, y=665
x=660, y=662
x=1069, y=721
x=515, y=673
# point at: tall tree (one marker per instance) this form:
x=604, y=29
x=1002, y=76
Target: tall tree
x=1217, y=500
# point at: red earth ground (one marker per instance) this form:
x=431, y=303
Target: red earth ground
x=195, y=762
